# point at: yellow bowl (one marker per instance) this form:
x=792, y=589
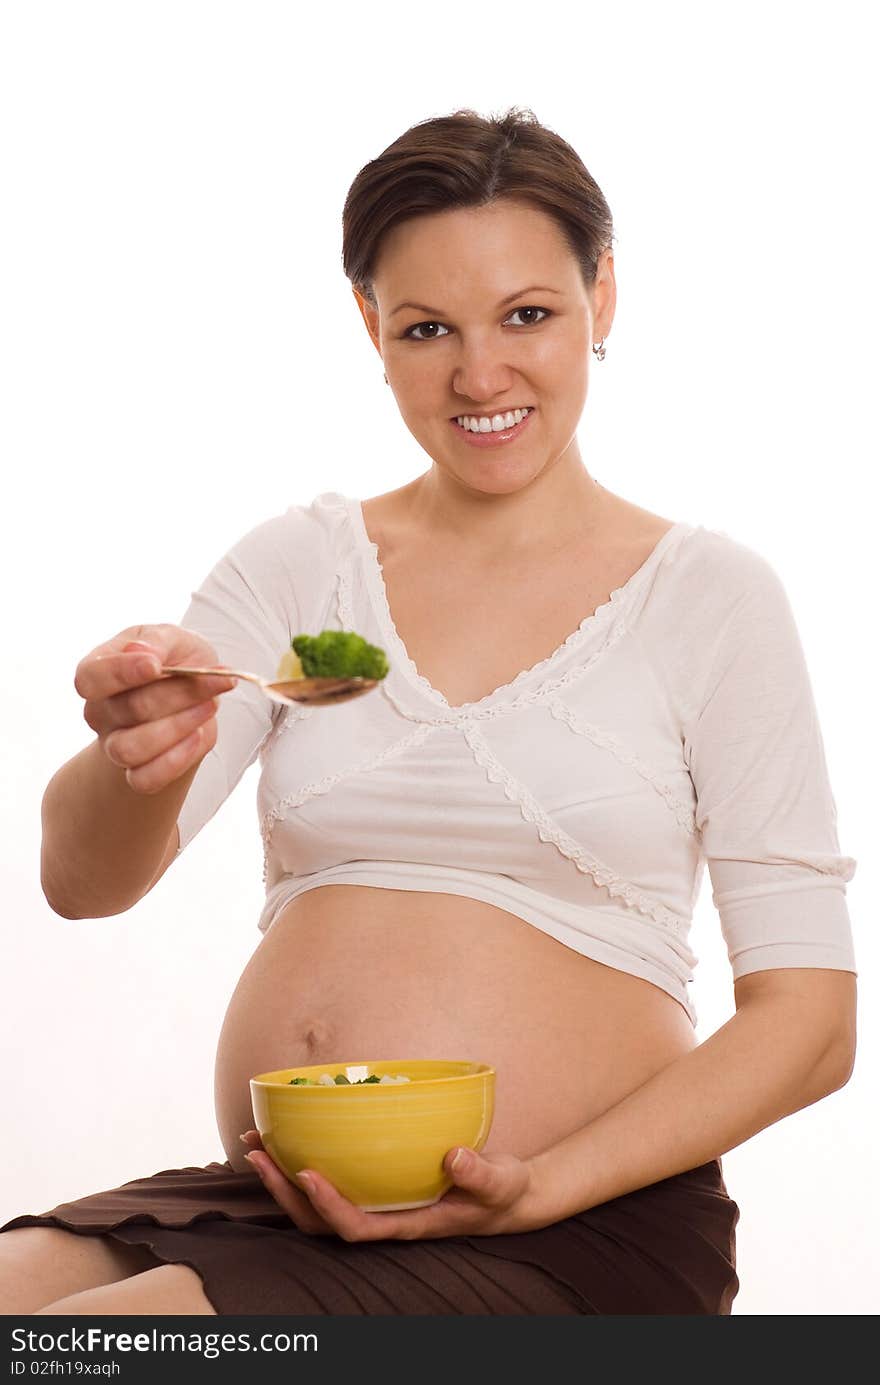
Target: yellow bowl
x=380, y=1144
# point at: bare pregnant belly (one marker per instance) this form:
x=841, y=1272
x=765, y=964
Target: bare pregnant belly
x=353, y=972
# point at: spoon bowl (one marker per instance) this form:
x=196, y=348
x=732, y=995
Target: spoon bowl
x=316, y=692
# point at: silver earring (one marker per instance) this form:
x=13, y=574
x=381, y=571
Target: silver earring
x=599, y=349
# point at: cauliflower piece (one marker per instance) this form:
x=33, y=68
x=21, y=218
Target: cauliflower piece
x=289, y=668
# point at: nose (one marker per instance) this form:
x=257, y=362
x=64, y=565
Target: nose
x=482, y=372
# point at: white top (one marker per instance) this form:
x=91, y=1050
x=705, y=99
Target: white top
x=676, y=725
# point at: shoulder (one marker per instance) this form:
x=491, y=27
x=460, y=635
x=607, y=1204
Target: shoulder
x=288, y=562
x=717, y=572
x=715, y=601
x=297, y=538
x=697, y=563
x=701, y=568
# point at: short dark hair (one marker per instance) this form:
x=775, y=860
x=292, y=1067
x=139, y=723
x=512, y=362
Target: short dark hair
x=469, y=160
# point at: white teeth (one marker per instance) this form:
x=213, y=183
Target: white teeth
x=494, y=424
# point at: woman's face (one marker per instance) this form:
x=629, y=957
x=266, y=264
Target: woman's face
x=502, y=320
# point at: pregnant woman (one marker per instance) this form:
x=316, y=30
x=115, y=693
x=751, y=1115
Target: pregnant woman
x=495, y=854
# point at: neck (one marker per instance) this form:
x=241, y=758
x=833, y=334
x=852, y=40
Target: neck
x=560, y=505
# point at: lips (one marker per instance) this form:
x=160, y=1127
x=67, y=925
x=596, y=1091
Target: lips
x=491, y=439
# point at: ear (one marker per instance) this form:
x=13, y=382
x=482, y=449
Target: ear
x=604, y=294
x=370, y=316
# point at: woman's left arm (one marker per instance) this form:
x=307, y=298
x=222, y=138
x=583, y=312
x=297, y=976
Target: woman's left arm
x=791, y=1042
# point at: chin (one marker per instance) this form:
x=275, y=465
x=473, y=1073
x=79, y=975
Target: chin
x=501, y=486
x=496, y=479
x=491, y=473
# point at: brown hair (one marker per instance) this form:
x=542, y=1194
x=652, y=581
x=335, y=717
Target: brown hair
x=468, y=160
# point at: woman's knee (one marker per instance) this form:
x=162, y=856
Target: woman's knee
x=169, y=1290
x=39, y=1264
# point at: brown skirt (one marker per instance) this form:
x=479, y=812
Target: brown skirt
x=668, y=1248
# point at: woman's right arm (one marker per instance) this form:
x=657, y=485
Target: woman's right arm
x=109, y=814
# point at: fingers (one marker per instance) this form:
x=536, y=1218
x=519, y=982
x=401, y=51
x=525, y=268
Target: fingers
x=123, y=687
x=299, y=1201
x=135, y=656
x=155, y=727
x=132, y=657
x=122, y=675
x=148, y=740
x=489, y=1198
x=288, y=1196
x=153, y=701
x=156, y=774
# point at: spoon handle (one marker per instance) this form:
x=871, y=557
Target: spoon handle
x=226, y=672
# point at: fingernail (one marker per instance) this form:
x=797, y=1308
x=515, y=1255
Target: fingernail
x=305, y=1181
x=255, y=1167
x=243, y=1139
x=459, y=1160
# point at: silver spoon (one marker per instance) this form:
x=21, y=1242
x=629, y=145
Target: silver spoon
x=318, y=692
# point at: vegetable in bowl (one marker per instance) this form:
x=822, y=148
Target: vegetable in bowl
x=383, y=1149
x=332, y=654
x=340, y=1080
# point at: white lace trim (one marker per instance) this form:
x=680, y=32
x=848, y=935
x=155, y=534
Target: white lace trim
x=470, y=712
x=548, y=831
x=438, y=718
x=344, y=610
x=511, y=700
x=617, y=631
x=322, y=786
x=683, y=813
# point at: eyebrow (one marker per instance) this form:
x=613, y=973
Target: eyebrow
x=436, y=312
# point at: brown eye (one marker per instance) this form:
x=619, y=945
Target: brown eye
x=418, y=327
x=535, y=321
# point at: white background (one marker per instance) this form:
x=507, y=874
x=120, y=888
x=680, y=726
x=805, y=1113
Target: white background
x=182, y=358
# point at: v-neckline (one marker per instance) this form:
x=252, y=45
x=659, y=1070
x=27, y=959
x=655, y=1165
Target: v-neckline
x=399, y=656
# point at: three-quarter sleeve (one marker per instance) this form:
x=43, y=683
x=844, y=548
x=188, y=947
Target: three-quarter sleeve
x=765, y=809
x=247, y=609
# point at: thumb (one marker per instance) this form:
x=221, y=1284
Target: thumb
x=462, y=1164
x=497, y=1180
x=481, y=1178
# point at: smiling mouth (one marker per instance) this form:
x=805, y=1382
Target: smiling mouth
x=492, y=437
x=505, y=418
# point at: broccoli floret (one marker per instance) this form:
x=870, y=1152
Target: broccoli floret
x=339, y=654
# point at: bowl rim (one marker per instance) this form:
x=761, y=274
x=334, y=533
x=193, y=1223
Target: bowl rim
x=265, y=1079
